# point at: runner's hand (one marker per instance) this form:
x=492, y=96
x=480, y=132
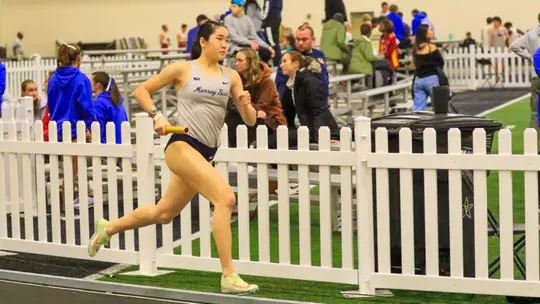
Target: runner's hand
x=160, y=124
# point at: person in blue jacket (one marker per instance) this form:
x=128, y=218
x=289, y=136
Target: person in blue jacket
x=2, y=83
x=108, y=105
x=69, y=92
x=397, y=21
x=536, y=63
x=192, y=34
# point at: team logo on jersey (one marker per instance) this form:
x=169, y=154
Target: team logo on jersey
x=197, y=78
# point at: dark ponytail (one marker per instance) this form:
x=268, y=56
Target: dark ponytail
x=205, y=31
x=67, y=55
x=109, y=85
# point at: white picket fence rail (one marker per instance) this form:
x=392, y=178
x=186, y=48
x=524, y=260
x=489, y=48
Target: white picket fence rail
x=462, y=68
x=31, y=188
x=478, y=67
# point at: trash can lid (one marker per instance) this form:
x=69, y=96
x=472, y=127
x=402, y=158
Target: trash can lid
x=418, y=121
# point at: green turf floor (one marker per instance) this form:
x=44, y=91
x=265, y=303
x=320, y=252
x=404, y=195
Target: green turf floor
x=516, y=115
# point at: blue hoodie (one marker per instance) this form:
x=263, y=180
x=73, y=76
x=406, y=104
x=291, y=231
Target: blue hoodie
x=2, y=83
x=106, y=112
x=536, y=62
x=399, y=27
x=191, y=37
x=417, y=20
x=281, y=80
x=70, y=99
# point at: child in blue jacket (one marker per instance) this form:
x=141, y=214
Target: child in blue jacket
x=108, y=105
x=69, y=92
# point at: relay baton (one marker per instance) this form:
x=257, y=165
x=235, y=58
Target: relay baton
x=176, y=130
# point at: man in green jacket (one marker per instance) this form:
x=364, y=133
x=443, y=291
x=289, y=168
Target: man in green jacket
x=363, y=53
x=333, y=42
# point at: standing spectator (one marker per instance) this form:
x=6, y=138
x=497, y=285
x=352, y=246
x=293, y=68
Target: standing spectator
x=418, y=18
x=69, y=95
x=70, y=92
x=108, y=105
x=242, y=32
x=525, y=47
x=271, y=26
x=429, y=64
x=305, y=37
x=164, y=40
x=388, y=46
x=332, y=7
x=182, y=36
x=255, y=76
x=536, y=60
x=497, y=34
x=333, y=43
x=192, y=34
x=485, y=32
x=29, y=88
x=384, y=9
x=397, y=21
x=2, y=83
x=18, y=49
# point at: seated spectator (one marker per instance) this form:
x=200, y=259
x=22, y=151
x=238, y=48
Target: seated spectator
x=2, y=83
x=192, y=34
x=108, y=105
x=429, y=64
x=333, y=43
x=309, y=99
x=255, y=76
x=468, y=41
x=304, y=44
x=363, y=53
x=288, y=43
x=29, y=88
x=388, y=45
x=242, y=32
x=397, y=21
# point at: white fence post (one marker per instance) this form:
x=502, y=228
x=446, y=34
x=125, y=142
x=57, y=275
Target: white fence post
x=145, y=191
x=364, y=201
x=472, y=67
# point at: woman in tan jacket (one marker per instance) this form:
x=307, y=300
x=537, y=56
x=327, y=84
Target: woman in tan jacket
x=255, y=76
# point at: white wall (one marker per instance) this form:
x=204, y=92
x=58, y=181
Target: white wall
x=43, y=21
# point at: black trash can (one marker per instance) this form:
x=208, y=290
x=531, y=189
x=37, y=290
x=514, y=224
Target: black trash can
x=418, y=122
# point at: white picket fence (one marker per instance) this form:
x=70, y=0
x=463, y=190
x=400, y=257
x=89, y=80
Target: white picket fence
x=347, y=168
x=465, y=70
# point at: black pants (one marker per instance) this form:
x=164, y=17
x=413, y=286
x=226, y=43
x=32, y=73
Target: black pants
x=233, y=120
x=270, y=29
